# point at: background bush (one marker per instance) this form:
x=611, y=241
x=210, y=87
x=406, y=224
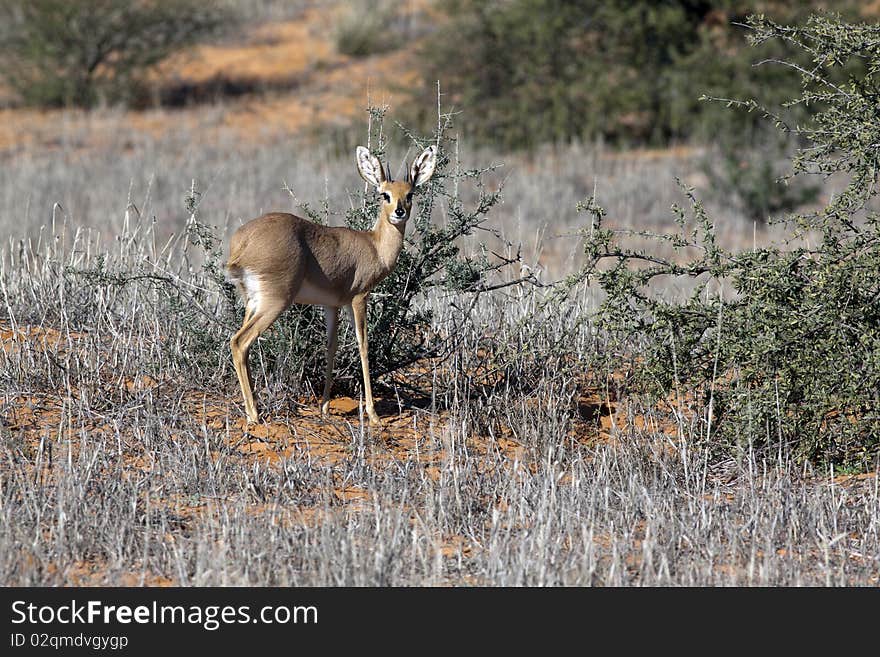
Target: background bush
x=371, y=26
x=751, y=175
x=80, y=52
x=543, y=71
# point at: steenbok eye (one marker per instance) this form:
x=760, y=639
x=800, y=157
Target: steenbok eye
x=386, y=197
x=409, y=198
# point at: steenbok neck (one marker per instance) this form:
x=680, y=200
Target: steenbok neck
x=388, y=239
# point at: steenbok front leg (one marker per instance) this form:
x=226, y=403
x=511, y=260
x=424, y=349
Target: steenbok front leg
x=331, y=319
x=359, y=315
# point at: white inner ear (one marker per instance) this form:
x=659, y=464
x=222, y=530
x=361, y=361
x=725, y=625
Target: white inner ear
x=423, y=168
x=369, y=167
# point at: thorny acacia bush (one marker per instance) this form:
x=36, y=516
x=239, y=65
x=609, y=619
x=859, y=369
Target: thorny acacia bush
x=791, y=359
x=206, y=308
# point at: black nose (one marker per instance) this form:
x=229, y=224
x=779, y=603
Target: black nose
x=400, y=212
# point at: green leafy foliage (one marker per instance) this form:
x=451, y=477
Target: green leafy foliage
x=790, y=356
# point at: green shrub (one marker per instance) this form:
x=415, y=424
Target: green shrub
x=789, y=359
x=61, y=52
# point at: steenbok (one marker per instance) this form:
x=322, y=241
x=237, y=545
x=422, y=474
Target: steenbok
x=280, y=259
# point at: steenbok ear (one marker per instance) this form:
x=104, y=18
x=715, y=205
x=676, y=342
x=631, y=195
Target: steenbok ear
x=369, y=167
x=423, y=167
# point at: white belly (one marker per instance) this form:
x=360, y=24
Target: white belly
x=312, y=294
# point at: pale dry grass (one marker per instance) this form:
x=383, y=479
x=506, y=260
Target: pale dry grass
x=124, y=459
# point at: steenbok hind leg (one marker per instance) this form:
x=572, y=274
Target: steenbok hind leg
x=257, y=321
